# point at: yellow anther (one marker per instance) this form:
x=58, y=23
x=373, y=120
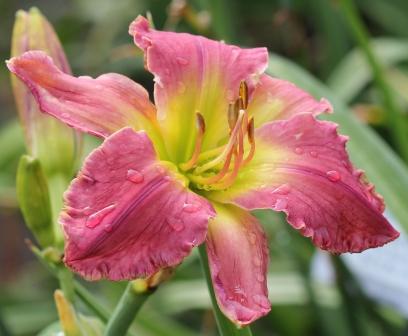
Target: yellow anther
x=243, y=94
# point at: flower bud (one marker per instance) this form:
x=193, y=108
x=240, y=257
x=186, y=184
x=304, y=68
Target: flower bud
x=47, y=139
x=73, y=324
x=34, y=200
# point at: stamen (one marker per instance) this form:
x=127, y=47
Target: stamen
x=251, y=139
x=214, y=178
x=243, y=94
x=233, y=112
x=227, y=149
x=237, y=164
x=200, y=124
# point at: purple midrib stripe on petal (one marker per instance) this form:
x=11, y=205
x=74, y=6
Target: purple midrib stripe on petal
x=147, y=190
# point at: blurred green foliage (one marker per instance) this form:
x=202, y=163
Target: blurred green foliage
x=318, y=52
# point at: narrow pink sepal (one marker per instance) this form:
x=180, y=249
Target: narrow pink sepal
x=98, y=106
x=127, y=215
x=238, y=257
x=317, y=187
x=277, y=99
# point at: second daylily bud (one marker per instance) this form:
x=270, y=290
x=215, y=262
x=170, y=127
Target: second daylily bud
x=73, y=324
x=34, y=200
x=47, y=139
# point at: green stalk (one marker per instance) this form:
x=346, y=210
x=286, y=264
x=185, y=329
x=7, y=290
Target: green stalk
x=126, y=310
x=88, y=299
x=225, y=326
x=396, y=121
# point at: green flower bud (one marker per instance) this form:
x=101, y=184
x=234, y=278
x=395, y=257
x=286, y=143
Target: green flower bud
x=34, y=200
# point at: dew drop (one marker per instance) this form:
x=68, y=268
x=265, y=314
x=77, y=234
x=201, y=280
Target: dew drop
x=281, y=204
x=181, y=87
x=134, y=176
x=191, y=207
x=284, y=189
x=333, y=175
x=260, y=277
x=182, y=61
x=88, y=179
x=299, y=151
x=65, y=115
x=252, y=238
x=108, y=227
x=261, y=301
x=96, y=218
x=313, y=154
x=176, y=224
x=257, y=261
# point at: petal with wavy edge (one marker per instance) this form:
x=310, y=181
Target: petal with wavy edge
x=194, y=74
x=98, y=106
x=238, y=257
x=301, y=167
x=127, y=214
x=277, y=99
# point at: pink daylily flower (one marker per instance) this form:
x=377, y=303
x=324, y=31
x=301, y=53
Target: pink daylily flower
x=223, y=138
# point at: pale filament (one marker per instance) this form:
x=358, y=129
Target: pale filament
x=218, y=169
x=227, y=149
x=199, y=141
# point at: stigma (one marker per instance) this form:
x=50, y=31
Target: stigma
x=217, y=168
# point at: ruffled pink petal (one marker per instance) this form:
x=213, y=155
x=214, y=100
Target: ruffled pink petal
x=127, y=214
x=98, y=106
x=238, y=257
x=195, y=74
x=277, y=99
x=301, y=167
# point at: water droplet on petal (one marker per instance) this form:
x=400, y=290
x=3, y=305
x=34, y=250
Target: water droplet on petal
x=261, y=301
x=96, y=218
x=260, y=277
x=108, y=227
x=191, y=207
x=88, y=179
x=252, y=238
x=181, y=88
x=257, y=261
x=134, y=176
x=314, y=154
x=284, y=189
x=182, y=60
x=281, y=204
x=65, y=115
x=299, y=151
x=176, y=224
x=333, y=175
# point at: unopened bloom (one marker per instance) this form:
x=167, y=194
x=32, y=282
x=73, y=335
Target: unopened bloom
x=47, y=139
x=222, y=139
x=52, y=146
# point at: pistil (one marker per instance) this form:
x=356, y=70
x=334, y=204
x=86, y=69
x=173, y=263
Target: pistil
x=212, y=169
x=200, y=124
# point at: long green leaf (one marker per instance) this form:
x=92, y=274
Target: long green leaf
x=353, y=73
x=366, y=148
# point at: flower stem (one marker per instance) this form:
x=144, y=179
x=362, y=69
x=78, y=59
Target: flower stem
x=396, y=122
x=129, y=304
x=225, y=326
